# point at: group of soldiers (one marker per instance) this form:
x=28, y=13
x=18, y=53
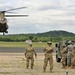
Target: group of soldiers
x=68, y=55
x=30, y=52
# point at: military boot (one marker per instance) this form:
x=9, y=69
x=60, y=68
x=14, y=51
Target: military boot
x=72, y=67
x=50, y=71
x=67, y=66
x=31, y=67
x=27, y=67
x=63, y=67
x=44, y=70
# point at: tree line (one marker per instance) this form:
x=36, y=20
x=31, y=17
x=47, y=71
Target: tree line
x=54, y=36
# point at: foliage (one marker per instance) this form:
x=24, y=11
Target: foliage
x=54, y=36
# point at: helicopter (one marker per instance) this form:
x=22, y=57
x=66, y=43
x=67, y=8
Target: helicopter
x=3, y=20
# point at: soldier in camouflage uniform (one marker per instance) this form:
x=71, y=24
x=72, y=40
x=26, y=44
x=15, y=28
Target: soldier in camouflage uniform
x=73, y=58
x=29, y=54
x=69, y=53
x=48, y=56
x=64, y=56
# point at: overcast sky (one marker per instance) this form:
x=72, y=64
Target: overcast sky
x=44, y=15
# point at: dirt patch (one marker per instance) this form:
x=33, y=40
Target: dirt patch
x=15, y=64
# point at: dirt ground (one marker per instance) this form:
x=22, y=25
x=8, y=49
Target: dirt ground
x=14, y=64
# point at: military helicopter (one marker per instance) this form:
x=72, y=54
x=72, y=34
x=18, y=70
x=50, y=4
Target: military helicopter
x=3, y=20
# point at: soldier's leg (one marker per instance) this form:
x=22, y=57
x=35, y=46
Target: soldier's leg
x=68, y=60
x=32, y=63
x=51, y=63
x=45, y=64
x=27, y=63
x=63, y=62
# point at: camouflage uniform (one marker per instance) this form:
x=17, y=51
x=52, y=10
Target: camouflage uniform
x=64, y=56
x=48, y=56
x=69, y=54
x=29, y=54
x=73, y=58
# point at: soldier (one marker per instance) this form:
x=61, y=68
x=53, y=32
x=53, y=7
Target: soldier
x=48, y=56
x=73, y=58
x=64, y=56
x=29, y=54
x=69, y=53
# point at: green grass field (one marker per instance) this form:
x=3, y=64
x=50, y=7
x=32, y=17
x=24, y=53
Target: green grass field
x=22, y=44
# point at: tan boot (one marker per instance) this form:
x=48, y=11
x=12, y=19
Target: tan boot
x=67, y=66
x=72, y=67
x=63, y=67
x=31, y=67
x=44, y=70
x=26, y=67
x=50, y=71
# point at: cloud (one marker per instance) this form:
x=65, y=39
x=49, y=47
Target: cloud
x=44, y=15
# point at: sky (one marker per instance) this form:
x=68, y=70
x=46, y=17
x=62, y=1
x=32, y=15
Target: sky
x=44, y=15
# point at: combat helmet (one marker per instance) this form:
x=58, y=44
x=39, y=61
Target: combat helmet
x=30, y=43
x=69, y=42
x=49, y=42
x=63, y=45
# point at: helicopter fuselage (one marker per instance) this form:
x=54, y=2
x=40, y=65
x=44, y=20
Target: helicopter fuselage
x=3, y=23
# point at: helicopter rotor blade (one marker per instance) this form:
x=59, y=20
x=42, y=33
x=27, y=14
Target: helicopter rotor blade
x=16, y=15
x=15, y=9
x=10, y=12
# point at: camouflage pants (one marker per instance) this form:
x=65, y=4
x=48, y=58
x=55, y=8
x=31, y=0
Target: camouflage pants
x=27, y=62
x=64, y=58
x=69, y=59
x=50, y=59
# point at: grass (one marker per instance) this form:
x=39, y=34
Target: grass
x=22, y=44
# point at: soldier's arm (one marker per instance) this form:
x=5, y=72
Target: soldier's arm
x=65, y=50
x=44, y=49
x=35, y=53
x=25, y=52
x=50, y=51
